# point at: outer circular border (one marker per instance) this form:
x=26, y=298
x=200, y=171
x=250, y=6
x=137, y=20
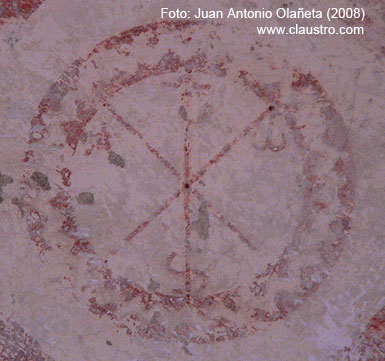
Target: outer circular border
x=329, y=250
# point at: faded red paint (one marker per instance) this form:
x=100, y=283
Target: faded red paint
x=108, y=309
x=270, y=93
x=302, y=81
x=28, y=156
x=81, y=246
x=74, y=129
x=186, y=206
x=18, y=8
x=35, y=225
x=370, y=345
x=62, y=203
x=17, y=345
x=226, y=148
x=66, y=176
x=135, y=132
x=170, y=63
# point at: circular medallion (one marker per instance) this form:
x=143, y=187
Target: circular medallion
x=204, y=194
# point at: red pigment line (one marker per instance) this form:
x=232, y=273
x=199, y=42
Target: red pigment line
x=228, y=147
x=128, y=36
x=227, y=223
x=151, y=149
x=52, y=100
x=169, y=63
x=160, y=210
x=165, y=162
x=268, y=93
x=186, y=202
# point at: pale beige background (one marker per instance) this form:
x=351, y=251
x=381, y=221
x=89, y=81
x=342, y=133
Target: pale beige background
x=35, y=52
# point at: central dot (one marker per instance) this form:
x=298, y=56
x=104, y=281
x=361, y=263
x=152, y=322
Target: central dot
x=187, y=186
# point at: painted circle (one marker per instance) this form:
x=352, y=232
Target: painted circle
x=263, y=184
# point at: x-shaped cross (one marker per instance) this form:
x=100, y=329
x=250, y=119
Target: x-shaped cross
x=188, y=180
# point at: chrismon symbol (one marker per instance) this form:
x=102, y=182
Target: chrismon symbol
x=187, y=180
x=264, y=217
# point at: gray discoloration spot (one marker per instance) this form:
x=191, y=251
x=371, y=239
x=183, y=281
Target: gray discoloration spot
x=182, y=112
x=336, y=132
x=109, y=343
x=85, y=198
x=116, y=159
x=202, y=225
x=5, y=180
x=153, y=286
x=84, y=138
x=13, y=39
x=155, y=317
x=41, y=180
x=187, y=351
x=16, y=201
